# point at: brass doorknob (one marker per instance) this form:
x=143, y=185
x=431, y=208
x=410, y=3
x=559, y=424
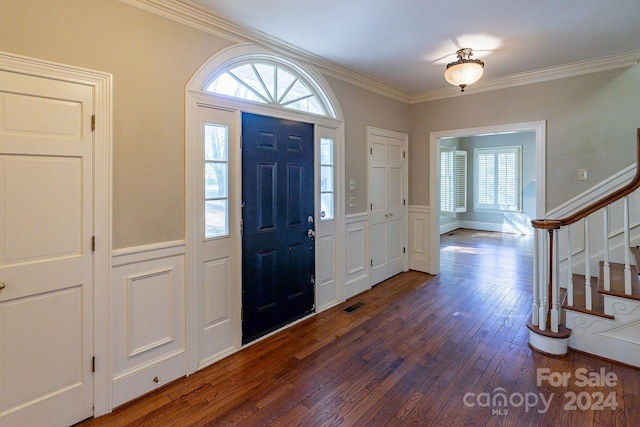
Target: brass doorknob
x=2, y=285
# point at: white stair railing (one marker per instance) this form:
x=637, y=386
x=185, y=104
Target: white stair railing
x=546, y=287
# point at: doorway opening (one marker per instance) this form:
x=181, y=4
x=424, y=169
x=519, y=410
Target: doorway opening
x=487, y=149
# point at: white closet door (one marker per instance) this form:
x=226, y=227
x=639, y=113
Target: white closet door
x=46, y=259
x=387, y=205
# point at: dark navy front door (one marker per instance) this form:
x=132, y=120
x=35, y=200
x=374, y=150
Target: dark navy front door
x=277, y=246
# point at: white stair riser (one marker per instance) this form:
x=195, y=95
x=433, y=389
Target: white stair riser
x=616, y=339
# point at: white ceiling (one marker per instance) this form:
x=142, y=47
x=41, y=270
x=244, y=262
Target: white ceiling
x=407, y=43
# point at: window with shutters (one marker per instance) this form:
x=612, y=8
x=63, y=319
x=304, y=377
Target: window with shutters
x=498, y=185
x=453, y=181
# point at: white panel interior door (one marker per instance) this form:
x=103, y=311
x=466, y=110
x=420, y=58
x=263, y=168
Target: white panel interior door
x=46, y=339
x=217, y=233
x=387, y=206
x=378, y=209
x=395, y=207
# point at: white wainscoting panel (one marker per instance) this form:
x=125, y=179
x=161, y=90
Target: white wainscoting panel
x=148, y=318
x=357, y=258
x=217, y=292
x=217, y=334
x=419, y=238
x=150, y=291
x=326, y=291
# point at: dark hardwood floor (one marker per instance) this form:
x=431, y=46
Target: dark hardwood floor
x=449, y=350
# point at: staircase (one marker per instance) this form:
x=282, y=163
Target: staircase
x=573, y=308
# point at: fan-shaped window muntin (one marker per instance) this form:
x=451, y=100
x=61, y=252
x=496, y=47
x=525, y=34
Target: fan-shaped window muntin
x=270, y=83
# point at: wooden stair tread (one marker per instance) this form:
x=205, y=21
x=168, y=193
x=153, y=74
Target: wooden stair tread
x=579, y=298
x=617, y=281
x=563, y=331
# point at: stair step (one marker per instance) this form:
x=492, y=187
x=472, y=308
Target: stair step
x=617, y=281
x=635, y=251
x=579, y=298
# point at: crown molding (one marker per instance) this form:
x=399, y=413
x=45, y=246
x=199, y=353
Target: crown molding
x=195, y=16
x=192, y=15
x=546, y=74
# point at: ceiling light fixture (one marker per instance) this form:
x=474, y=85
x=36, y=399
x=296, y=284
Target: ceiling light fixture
x=465, y=70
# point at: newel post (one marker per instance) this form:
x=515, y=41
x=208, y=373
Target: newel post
x=546, y=294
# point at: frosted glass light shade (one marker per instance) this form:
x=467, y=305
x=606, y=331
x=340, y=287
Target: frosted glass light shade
x=464, y=74
x=465, y=70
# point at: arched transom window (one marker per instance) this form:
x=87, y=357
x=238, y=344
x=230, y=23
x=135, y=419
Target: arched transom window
x=268, y=82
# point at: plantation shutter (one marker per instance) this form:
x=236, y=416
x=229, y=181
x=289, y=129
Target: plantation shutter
x=461, y=180
x=453, y=181
x=497, y=178
x=447, y=181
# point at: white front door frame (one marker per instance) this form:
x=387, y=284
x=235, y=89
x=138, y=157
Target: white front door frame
x=197, y=97
x=539, y=127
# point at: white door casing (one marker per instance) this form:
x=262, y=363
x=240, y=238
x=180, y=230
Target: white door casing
x=46, y=339
x=539, y=127
x=218, y=257
x=388, y=210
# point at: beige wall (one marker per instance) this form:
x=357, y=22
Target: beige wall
x=591, y=120
x=152, y=59
x=591, y=123
x=362, y=108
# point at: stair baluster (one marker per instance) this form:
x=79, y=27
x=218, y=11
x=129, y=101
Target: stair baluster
x=627, y=243
x=535, y=313
x=569, y=269
x=606, y=265
x=544, y=286
x=587, y=265
x=554, y=285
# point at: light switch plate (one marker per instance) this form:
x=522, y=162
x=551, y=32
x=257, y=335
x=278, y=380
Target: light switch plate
x=582, y=174
x=352, y=202
x=352, y=184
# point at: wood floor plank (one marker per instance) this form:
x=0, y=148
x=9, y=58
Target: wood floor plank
x=421, y=351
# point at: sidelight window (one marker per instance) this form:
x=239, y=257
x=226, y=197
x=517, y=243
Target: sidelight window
x=326, y=178
x=216, y=180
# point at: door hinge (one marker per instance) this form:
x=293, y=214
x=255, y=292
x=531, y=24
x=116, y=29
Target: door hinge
x=404, y=250
x=93, y=243
x=404, y=154
x=371, y=206
x=93, y=123
x=93, y=364
x=404, y=202
x=370, y=150
x=371, y=262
